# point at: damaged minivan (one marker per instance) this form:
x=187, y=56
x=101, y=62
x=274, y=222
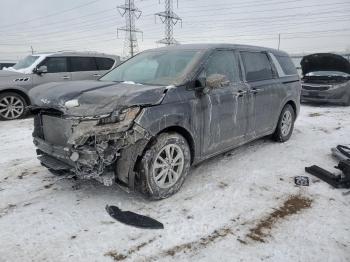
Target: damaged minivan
x=143, y=124
x=326, y=79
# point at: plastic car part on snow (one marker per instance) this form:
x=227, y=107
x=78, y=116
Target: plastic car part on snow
x=133, y=219
x=337, y=181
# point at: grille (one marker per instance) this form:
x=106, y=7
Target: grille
x=316, y=88
x=56, y=130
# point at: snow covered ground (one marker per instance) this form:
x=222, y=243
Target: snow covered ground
x=242, y=206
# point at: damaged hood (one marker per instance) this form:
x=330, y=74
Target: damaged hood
x=324, y=62
x=94, y=97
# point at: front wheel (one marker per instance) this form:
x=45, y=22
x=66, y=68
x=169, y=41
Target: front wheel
x=165, y=165
x=285, y=124
x=12, y=106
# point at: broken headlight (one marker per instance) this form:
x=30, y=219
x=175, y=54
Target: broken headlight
x=128, y=114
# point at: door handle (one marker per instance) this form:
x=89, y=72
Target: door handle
x=65, y=77
x=97, y=75
x=240, y=93
x=255, y=91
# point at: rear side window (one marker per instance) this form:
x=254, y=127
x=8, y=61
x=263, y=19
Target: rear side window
x=257, y=66
x=223, y=62
x=287, y=65
x=83, y=64
x=55, y=64
x=104, y=63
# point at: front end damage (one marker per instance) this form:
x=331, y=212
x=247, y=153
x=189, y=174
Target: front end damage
x=104, y=148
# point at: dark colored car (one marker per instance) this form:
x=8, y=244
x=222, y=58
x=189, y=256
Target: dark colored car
x=6, y=64
x=144, y=123
x=326, y=79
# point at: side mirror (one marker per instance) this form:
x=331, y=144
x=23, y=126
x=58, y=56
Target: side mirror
x=41, y=70
x=217, y=81
x=200, y=84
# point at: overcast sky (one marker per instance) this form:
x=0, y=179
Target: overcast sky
x=50, y=25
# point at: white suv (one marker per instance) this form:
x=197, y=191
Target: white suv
x=36, y=69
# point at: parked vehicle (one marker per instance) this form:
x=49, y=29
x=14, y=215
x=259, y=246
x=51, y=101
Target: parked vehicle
x=33, y=70
x=147, y=121
x=6, y=64
x=326, y=79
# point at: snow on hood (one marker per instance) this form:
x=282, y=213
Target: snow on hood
x=95, y=97
x=5, y=73
x=324, y=62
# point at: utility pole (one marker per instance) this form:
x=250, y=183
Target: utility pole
x=169, y=18
x=31, y=49
x=131, y=13
x=279, y=41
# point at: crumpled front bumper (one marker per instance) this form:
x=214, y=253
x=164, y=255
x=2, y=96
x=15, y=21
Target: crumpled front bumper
x=66, y=158
x=87, y=149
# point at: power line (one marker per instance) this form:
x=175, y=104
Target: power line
x=53, y=14
x=66, y=22
x=110, y=19
x=264, y=10
x=96, y=36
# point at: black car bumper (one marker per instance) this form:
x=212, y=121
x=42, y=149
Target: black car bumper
x=332, y=95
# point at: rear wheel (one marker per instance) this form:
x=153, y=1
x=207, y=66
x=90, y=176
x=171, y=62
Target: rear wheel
x=285, y=124
x=12, y=106
x=165, y=165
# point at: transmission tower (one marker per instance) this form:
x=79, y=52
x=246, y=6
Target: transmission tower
x=131, y=13
x=169, y=18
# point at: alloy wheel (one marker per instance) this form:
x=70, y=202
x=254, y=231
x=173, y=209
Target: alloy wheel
x=11, y=107
x=286, y=123
x=168, y=166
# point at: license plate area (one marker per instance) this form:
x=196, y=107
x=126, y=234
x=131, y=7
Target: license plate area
x=56, y=130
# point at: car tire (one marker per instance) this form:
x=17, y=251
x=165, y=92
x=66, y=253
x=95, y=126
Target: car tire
x=285, y=124
x=12, y=106
x=164, y=166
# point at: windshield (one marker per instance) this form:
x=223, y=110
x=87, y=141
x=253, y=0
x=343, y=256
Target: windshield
x=155, y=68
x=25, y=62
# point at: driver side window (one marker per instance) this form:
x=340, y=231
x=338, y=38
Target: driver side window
x=55, y=64
x=223, y=62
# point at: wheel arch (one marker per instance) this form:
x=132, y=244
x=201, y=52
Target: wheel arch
x=293, y=105
x=17, y=91
x=185, y=133
x=134, y=154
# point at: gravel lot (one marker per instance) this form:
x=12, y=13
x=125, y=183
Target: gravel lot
x=241, y=206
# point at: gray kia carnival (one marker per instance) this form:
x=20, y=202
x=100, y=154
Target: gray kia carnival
x=143, y=124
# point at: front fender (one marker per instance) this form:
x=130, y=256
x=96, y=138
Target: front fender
x=184, y=117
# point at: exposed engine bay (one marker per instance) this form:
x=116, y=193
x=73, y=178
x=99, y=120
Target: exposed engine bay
x=87, y=147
